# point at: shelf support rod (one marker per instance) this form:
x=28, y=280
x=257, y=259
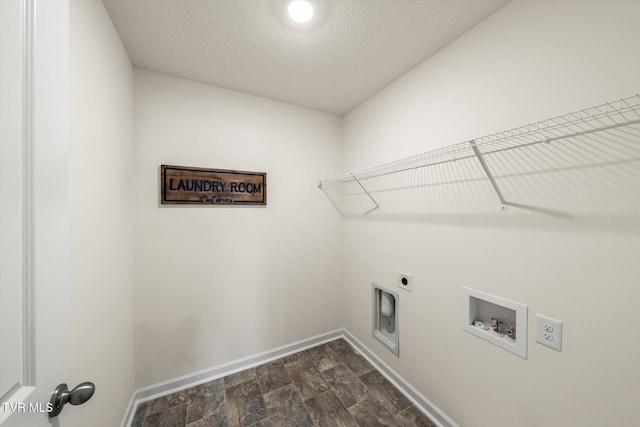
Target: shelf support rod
x=487, y=171
x=367, y=193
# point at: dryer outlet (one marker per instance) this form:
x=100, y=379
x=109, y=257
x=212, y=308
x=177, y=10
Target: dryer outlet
x=405, y=282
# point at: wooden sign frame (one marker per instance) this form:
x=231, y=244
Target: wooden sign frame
x=187, y=185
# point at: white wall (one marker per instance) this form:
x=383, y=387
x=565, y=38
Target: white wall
x=529, y=61
x=213, y=283
x=101, y=215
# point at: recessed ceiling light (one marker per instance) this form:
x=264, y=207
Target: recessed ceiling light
x=300, y=10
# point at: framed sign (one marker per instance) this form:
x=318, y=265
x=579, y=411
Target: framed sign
x=198, y=186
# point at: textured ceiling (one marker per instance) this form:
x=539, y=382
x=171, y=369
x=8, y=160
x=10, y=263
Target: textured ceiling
x=351, y=50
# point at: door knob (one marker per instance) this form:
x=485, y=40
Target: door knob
x=61, y=396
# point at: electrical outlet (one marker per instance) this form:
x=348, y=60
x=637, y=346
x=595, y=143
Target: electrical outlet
x=405, y=282
x=549, y=332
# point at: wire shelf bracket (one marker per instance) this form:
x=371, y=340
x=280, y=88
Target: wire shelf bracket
x=487, y=171
x=377, y=206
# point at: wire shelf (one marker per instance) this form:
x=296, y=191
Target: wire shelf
x=568, y=157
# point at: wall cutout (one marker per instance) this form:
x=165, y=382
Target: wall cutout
x=197, y=186
x=496, y=320
x=385, y=317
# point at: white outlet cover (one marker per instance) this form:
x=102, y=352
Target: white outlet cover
x=401, y=285
x=549, y=332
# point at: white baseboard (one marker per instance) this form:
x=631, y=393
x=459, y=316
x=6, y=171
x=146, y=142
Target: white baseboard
x=186, y=381
x=425, y=405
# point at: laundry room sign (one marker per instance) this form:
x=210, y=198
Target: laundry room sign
x=198, y=186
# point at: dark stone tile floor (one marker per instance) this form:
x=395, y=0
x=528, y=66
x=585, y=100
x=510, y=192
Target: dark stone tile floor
x=329, y=385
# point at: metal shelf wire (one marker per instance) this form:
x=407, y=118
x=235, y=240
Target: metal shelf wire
x=586, y=154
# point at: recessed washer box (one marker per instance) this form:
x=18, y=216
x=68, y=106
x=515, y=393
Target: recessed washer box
x=483, y=307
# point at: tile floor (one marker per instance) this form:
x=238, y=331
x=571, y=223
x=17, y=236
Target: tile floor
x=328, y=385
